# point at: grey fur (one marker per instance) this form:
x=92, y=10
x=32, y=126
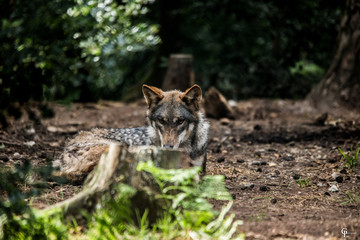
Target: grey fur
x=173, y=119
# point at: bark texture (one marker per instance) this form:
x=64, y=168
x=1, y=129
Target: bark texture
x=216, y=105
x=180, y=73
x=341, y=84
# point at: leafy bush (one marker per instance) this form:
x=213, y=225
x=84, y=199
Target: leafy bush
x=248, y=48
x=187, y=212
x=72, y=50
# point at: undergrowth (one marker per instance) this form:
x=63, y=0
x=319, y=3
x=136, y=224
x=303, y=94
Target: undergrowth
x=303, y=182
x=352, y=197
x=186, y=213
x=351, y=159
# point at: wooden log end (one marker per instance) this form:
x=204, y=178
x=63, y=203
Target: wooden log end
x=216, y=105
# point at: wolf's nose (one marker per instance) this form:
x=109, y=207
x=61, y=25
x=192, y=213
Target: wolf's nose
x=168, y=146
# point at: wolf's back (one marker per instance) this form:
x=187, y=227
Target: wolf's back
x=82, y=153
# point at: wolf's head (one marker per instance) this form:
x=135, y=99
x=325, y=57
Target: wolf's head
x=174, y=115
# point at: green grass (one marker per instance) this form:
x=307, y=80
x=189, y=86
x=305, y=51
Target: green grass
x=303, y=182
x=350, y=160
x=353, y=197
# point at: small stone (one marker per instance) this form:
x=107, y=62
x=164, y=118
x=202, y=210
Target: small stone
x=30, y=131
x=296, y=176
x=240, y=160
x=331, y=161
x=221, y=159
x=291, y=144
x=30, y=143
x=255, y=163
x=288, y=158
x=339, y=179
x=4, y=158
x=43, y=155
x=333, y=188
x=343, y=171
x=247, y=186
x=16, y=155
x=257, y=127
x=320, y=120
x=257, y=154
x=272, y=164
x=273, y=201
x=52, y=129
x=264, y=188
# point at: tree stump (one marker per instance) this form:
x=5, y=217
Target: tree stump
x=118, y=165
x=180, y=73
x=216, y=105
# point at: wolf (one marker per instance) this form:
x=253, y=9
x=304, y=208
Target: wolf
x=174, y=120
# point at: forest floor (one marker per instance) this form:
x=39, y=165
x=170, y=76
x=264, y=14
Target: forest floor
x=283, y=169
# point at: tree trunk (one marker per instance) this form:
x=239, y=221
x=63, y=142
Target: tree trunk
x=180, y=73
x=116, y=166
x=341, y=84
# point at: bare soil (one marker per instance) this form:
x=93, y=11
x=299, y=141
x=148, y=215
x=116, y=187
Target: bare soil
x=262, y=154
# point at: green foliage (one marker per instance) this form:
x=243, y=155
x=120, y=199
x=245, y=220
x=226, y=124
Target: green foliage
x=303, y=182
x=350, y=160
x=186, y=213
x=248, y=48
x=33, y=226
x=182, y=191
x=83, y=50
x=115, y=217
x=72, y=50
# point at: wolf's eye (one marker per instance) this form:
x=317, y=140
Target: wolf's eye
x=179, y=121
x=161, y=120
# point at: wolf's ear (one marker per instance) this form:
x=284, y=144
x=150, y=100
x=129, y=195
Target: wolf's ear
x=192, y=97
x=152, y=95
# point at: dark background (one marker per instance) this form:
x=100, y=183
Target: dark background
x=68, y=51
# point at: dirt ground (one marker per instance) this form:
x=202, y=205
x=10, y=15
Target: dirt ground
x=262, y=153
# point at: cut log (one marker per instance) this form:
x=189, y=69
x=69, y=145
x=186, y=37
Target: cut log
x=118, y=165
x=180, y=73
x=216, y=105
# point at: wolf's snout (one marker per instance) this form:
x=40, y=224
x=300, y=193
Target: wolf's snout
x=169, y=146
